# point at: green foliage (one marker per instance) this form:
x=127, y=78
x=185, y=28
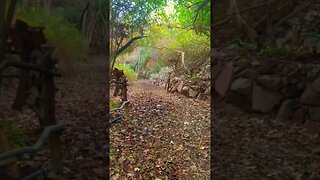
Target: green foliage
x=272, y=50
x=173, y=41
x=113, y=104
x=127, y=71
x=15, y=136
x=70, y=13
x=243, y=48
x=68, y=41
x=145, y=55
x=155, y=69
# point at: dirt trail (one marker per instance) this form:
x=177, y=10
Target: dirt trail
x=164, y=136
x=80, y=103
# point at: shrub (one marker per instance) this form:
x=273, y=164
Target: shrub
x=68, y=41
x=113, y=104
x=131, y=75
x=14, y=135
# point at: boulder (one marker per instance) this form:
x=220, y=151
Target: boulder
x=242, y=86
x=208, y=91
x=185, y=90
x=193, y=93
x=299, y=116
x=249, y=73
x=291, y=91
x=180, y=86
x=194, y=87
x=264, y=100
x=223, y=80
x=310, y=96
x=314, y=114
x=271, y=82
x=316, y=84
x=200, y=96
x=238, y=100
x=287, y=110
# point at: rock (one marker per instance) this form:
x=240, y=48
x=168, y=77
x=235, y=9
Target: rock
x=310, y=96
x=267, y=68
x=180, y=86
x=314, y=114
x=291, y=91
x=249, y=73
x=301, y=86
x=255, y=63
x=242, y=86
x=243, y=63
x=194, y=87
x=200, y=96
x=316, y=84
x=263, y=100
x=238, y=100
x=237, y=70
x=185, y=90
x=175, y=86
x=271, y=82
x=287, y=109
x=223, y=80
x=193, y=93
x=313, y=73
x=208, y=91
x=312, y=126
x=299, y=116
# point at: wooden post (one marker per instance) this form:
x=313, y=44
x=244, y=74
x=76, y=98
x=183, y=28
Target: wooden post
x=47, y=114
x=124, y=89
x=22, y=37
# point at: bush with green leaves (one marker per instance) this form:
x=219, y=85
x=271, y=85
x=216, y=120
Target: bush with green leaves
x=113, y=104
x=173, y=41
x=130, y=73
x=68, y=41
x=14, y=135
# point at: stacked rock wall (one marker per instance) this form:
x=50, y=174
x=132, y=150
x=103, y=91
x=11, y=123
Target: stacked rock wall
x=199, y=89
x=289, y=89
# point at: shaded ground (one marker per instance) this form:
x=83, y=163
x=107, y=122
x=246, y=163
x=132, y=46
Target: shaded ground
x=164, y=136
x=81, y=102
x=257, y=147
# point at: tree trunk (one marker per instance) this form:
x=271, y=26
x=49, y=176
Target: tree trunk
x=3, y=4
x=47, y=6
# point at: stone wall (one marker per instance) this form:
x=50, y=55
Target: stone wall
x=199, y=89
x=290, y=90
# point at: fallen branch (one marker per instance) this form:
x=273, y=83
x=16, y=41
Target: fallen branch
x=119, y=82
x=121, y=107
x=18, y=64
x=116, y=119
x=40, y=143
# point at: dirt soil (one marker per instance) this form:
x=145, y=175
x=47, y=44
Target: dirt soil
x=164, y=136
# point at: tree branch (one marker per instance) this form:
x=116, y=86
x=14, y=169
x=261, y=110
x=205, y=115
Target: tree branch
x=27, y=66
x=128, y=44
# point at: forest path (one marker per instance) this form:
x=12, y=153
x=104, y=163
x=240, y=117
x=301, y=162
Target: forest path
x=163, y=136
